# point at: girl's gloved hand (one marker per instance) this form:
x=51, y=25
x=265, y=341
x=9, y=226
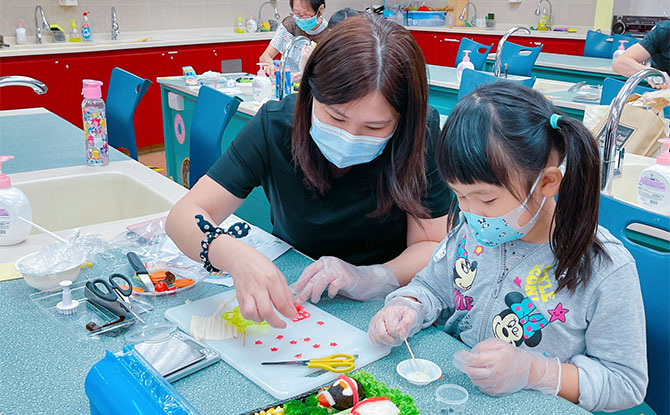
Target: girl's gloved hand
x=498, y=368
x=356, y=282
x=399, y=319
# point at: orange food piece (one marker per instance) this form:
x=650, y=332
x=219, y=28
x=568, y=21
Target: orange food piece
x=136, y=289
x=182, y=282
x=157, y=276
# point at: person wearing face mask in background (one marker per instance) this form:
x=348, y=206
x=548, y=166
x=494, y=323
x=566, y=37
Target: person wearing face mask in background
x=347, y=165
x=547, y=299
x=306, y=19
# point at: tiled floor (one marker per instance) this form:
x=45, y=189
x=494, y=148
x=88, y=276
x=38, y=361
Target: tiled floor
x=155, y=159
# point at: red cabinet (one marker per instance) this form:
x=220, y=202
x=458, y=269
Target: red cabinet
x=426, y=41
x=63, y=75
x=446, y=49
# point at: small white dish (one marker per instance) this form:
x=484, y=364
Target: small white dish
x=49, y=280
x=427, y=372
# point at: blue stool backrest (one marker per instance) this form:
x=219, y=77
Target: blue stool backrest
x=478, y=52
x=124, y=94
x=519, y=59
x=653, y=267
x=213, y=111
x=472, y=80
x=598, y=45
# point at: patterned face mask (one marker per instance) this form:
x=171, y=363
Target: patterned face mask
x=497, y=230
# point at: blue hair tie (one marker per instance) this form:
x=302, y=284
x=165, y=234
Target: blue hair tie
x=554, y=120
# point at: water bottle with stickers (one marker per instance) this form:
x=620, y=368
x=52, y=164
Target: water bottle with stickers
x=95, y=124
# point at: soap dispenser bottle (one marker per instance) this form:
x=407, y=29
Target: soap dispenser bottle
x=13, y=203
x=620, y=50
x=653, y=187
x=74, y=35
x=261, y=86
x=239, y=24
x=21, y=34
x=95, y=124
x=465, y=63
x=86, y=32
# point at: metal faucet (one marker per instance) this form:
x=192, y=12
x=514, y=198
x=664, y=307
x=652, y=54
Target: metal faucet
x=115, y=25
x=538, y=10
x=497, y=64
x=282, y=62
x=44, y=23
x=465, y=9
x=260, y=9
x=610, y=145
x=17, y=80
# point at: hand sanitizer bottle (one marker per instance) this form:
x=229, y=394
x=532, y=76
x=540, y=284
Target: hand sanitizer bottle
x=465, y=63
x=653, y=187
x=261, y=86
x=619, y=51
x=21, y=38
x=95, y=124
x=13, y=203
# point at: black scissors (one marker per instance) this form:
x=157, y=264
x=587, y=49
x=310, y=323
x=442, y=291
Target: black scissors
x=109, y=294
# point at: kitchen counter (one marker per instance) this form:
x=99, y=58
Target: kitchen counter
x=571, y=63
x=500, y=30
x=44, y=366
x=134, y=40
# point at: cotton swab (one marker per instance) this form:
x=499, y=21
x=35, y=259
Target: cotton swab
x=42, y=229
x=412, y=354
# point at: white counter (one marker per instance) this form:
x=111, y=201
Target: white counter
x=133, y=40
x=500, y=30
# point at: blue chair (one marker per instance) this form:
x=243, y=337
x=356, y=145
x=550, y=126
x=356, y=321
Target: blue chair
x=472, y=80
x=598, y=45
x=478, y=52
x=213, y=111
x=124, y=94
x=519, y=59
x=652, y=268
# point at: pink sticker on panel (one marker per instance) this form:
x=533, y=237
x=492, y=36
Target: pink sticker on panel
x=179, y=129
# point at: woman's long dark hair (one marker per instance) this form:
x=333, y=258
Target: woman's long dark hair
x=501, y=133
x=362, y=55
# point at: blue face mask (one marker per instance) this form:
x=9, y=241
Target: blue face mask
x=495, y=231
x=344, y=149
x=306, y=25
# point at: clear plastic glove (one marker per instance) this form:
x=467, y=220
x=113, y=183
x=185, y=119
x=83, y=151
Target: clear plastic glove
x=498, y=368
x=399, y=319
x=357, y=282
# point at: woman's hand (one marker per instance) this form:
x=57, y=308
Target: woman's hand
x=498, y=368
x=398, y=320
x=356, y=282
x=259, y=284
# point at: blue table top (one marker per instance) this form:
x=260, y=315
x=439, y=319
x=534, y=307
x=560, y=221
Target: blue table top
x=44, y=366
x=572, y=62
x=43, y=141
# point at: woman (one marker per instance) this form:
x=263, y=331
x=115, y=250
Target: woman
x=654, y=46
x=347, y=165
x=307, y=20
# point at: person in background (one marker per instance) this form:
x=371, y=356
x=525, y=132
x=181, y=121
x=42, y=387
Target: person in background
x=340, y=15
x=654, y=46
x=546, y=298
x=306, y=19
x=348, y=167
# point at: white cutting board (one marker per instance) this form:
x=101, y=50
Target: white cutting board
x=319, y=335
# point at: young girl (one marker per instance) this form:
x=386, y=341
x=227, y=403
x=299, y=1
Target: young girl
x=546, y=299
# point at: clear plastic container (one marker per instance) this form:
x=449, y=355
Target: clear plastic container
x=95, y=124
x=451, y=399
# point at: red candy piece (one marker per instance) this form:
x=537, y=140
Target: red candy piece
x=273, y=349
x=307, y=339
x=316, y=346
x=333, y=344
x=160, y=286
x=259, y=342
x=293, y=342
x=320, y=323
x=280, y=337
x=298, y=356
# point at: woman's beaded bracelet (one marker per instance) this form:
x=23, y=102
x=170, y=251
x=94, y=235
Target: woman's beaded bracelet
x=236, y=230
